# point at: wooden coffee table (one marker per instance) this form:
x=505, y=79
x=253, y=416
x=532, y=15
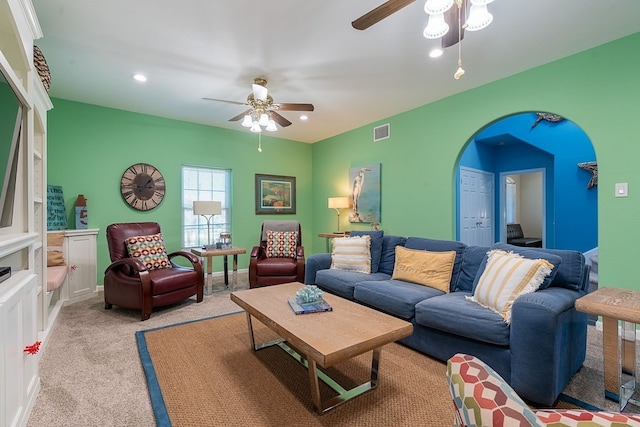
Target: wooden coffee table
x=322, y=339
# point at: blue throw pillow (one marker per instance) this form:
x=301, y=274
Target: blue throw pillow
x=571, y=270
x=388, y=257
x=376, y=246
x=527, y=253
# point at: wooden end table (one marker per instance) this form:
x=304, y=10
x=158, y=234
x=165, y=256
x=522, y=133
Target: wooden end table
x=619, y=354
x=210, y=253
x=331, y=236
x=322, y=339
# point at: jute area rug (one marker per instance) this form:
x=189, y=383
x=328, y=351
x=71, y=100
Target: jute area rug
x=204, y=373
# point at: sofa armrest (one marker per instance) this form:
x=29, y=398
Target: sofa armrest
x=546, y=331
x=315, y=263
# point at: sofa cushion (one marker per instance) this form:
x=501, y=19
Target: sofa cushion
x=388, y=256
x=454, y=314
x=508, y=275
x=394, y=297
x=527, y=253
x=352, y=254
x=471, y=260
x=435, y=245
x=376, y=246
x=570, y=270
x=426, y=268
x=342, y=283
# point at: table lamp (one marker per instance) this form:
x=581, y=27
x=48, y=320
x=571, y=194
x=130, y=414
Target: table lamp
x=207, y=209
x=339, y=203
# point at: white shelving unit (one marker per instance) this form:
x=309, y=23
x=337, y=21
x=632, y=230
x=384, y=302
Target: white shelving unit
x=22, y=244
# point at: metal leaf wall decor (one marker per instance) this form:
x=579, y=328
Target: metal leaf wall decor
x=591, y=167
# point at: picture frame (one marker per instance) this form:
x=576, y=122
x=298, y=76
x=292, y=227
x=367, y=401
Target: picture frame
x=275, y=194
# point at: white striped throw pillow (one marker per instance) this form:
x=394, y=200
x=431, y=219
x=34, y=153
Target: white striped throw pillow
x=506, y=277
x=352, y=254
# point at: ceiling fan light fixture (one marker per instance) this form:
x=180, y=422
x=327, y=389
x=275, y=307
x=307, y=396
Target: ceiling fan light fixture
x=271, y=127
x=436, y=7
x=247, y=122
x=436, y=27
x=479, y=18
x=264, y=119
x=255, y=127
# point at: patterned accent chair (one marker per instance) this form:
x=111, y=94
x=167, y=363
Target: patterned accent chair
x=482, y=398
x=279, y=258
x=129, y=283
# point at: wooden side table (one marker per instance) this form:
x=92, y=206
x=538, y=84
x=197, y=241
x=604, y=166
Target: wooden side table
x=333, y=235
x=619, y=355
x=210, y=253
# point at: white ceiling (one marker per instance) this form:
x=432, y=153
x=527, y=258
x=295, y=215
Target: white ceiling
x=306, y=49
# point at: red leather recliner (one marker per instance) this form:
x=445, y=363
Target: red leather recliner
x=264, y=271
x=129, y=284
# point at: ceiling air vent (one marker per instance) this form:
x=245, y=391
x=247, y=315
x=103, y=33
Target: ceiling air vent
x=381, y=132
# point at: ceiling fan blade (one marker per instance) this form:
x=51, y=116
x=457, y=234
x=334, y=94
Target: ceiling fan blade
x=240, y=116
x=451, y=18
x=279, y=119
x=259, y=92
x=379, y=13
x=224, y=100
x=288, y=106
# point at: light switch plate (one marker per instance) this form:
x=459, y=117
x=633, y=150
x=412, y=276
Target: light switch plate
x=622, y=189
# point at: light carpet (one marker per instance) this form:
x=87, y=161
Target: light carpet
x=90, y=371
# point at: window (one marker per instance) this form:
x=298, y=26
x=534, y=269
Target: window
x=512, y=200
x=200, y=183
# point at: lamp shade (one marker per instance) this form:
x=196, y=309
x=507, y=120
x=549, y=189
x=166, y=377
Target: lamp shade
x=339, y=202
x=207, y=208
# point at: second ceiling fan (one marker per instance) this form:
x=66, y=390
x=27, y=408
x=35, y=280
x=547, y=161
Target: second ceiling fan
x=447, y=17
x=262, y=109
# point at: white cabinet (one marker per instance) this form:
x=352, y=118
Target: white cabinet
x=80, y=255
x=20, y=381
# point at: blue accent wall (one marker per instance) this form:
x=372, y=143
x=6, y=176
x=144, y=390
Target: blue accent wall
x=512, y=144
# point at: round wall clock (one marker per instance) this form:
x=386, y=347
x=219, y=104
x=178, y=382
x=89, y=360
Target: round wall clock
x=142, y=186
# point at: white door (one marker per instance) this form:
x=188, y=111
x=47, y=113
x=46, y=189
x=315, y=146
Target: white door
x=476, y=207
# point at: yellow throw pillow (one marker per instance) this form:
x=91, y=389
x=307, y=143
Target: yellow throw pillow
x=352, y=254
x=426, y=268
x=55, y=256
x=506, y=277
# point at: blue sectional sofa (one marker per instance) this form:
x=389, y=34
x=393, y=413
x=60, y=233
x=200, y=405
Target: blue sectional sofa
x=538, y=353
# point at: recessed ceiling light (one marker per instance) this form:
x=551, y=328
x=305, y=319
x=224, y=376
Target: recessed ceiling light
x=436, y=53
x=304, y=117
x=140, y=77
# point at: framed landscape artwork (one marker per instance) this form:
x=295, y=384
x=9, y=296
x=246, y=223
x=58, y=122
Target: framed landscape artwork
x=275, y=194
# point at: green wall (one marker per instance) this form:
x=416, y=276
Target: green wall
x=89, y=147
x=596, y=89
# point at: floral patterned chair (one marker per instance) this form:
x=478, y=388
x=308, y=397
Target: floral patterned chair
x=482, y=398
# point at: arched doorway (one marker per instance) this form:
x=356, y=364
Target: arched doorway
x=520, y=144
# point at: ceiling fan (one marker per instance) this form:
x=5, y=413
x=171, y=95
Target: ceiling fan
x=452, y=37
x=262, y=109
